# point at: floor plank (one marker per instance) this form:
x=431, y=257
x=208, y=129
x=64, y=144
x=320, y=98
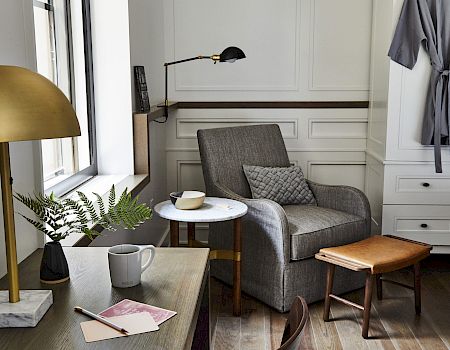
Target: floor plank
x=325, y=333
x=228, y=333
x=347, y=326
x=393, y=322
x=276, y=328
x=252, y=325
x=378, y=336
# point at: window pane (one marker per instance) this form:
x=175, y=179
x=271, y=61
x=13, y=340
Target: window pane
x=60, y=50
x=45, y=52
x=79, y=76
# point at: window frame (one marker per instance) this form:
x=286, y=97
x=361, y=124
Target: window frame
x=86, y=174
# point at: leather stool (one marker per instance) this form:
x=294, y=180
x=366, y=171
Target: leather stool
x=374, y=256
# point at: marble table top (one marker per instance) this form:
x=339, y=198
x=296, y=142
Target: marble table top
x=213, y=210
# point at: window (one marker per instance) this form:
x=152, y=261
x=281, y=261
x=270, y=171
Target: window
x=64, y=56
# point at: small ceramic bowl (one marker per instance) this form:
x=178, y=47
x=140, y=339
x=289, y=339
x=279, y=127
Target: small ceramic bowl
x=187, y=200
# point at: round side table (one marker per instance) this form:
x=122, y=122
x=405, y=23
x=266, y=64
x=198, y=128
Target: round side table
x=213, y=210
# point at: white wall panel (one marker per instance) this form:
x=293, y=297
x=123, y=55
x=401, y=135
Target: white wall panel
x=296, y=49
x=266, y=31
x=189, y=175
x=339, y=49
x=337, y=128
x=328, y=130
x=338, y=173
x=374, y=180
x=187, y=127
x=328, y=144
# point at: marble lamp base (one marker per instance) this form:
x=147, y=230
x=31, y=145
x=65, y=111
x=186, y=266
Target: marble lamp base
x=28, y=311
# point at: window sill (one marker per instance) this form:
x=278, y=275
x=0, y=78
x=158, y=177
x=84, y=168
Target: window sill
x=101, y=184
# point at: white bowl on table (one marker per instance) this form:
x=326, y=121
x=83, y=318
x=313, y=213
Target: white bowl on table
x=187, y=200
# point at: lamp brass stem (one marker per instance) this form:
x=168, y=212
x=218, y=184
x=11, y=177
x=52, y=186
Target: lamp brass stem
x=8, y=218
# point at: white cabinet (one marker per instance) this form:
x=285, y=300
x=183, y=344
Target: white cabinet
x=407, y=197
x=425, y=223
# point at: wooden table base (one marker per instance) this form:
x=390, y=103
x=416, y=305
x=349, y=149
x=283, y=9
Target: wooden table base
x=234, y=254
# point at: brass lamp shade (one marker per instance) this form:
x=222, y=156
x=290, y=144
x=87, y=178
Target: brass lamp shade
x=33, y=108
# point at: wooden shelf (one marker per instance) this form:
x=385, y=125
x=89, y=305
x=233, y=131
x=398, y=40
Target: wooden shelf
x=156, y=112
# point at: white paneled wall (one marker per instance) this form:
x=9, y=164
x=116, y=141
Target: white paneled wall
x=328, y=144
x=297, y=50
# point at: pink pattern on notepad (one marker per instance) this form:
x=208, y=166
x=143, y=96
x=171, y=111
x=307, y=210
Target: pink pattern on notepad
x=126, y=307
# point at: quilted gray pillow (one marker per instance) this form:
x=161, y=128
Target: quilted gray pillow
x=285, y=185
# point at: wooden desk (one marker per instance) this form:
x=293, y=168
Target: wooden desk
x=176, y=281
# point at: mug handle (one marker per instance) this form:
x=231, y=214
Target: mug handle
x=150, y=259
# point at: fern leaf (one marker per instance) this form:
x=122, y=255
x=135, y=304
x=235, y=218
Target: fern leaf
x=112, y=198
x=101, y=205
x=89, y=206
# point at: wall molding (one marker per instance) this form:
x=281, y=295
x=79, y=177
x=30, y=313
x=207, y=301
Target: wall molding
x=289, y=149
x=315, y=120
x=281, y=86
x=179, y=164
x=272, y=104
x=247, y=121
x=313, y=86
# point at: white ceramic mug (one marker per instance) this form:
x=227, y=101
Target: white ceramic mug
x=125, y=264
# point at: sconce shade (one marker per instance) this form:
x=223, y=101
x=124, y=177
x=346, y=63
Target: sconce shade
x=33, y=108
x=231, y=54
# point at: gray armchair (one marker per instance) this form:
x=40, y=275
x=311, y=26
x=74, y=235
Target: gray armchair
x=278, y=243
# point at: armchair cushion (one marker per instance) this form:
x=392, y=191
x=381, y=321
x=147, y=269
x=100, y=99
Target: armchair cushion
x=312, y=228
x=284, y=185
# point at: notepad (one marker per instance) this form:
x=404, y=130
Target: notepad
x=127, y=306
x=135, y=323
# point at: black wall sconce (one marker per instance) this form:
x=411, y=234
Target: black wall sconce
x=230, y=55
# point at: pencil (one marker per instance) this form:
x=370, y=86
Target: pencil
x=100, y=319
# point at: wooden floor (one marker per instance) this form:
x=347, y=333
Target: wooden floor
x=393, y=322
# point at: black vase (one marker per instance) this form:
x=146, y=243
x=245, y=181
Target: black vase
x=54, y=268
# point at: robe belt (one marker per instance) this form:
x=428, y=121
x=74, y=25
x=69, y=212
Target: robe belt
x=439, y=95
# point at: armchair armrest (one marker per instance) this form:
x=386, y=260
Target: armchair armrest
x=343, y=198
x=267, y=217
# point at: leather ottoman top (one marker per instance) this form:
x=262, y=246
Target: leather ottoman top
x=378, y=253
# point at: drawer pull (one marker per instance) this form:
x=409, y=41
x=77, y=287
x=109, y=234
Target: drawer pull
x=423, y=225
x=426, y=184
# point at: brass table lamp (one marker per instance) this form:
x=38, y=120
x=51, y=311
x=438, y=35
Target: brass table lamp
x=31, y=108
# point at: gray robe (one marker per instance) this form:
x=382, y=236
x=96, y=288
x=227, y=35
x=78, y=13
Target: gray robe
x=428, y=22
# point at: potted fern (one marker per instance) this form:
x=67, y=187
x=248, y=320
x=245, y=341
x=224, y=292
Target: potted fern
x=58, y=218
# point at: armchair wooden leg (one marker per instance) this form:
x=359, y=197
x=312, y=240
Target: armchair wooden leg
x=379, y=287
x=174, y=233
x=330, y=277
x=417, y=287
x=367, y=304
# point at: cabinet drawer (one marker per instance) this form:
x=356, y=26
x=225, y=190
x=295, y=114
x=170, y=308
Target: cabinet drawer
x=416, y=184
x=424, y=223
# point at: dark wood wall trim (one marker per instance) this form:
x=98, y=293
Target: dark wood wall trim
x=274, y=104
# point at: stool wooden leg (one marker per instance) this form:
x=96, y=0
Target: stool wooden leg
x=379, y=287
x=367, y=304
x=329, y=289
x=417, y=288
x=174, y=233
x=237, y=268
x=191, y=233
